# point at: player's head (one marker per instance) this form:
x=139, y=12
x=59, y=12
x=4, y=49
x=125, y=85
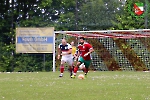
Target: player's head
x=81, y=40
x=63, y=42
x=72, y=43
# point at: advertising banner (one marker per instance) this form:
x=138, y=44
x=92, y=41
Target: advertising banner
x=34, y=40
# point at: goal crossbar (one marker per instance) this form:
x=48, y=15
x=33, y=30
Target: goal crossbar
x=109, y=33
x=105, y=31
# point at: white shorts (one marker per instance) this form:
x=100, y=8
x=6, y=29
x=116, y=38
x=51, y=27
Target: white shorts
x=67, y=59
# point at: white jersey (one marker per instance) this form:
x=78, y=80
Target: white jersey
x=66, y=58
x=65, y=48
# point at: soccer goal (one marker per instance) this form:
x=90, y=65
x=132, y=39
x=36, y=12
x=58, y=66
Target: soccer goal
x=115, y=50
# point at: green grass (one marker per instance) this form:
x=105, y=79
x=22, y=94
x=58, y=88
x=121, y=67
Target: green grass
x=98, y=86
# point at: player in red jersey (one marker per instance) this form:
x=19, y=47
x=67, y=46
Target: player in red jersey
x=84, y=51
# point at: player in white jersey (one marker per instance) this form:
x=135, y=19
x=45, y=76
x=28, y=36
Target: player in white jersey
x=65, y=50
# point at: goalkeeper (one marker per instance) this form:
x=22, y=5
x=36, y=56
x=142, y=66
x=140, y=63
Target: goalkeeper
x=84, y=51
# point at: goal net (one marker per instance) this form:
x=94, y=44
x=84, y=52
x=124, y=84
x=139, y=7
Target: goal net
x=115, y=50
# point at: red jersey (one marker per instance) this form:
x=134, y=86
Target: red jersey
x=83, y=49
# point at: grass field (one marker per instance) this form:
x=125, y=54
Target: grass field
x=98, y=86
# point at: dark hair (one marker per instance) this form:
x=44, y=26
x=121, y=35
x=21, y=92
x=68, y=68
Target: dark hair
x=82, y=38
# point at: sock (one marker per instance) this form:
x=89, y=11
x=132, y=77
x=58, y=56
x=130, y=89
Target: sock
x=86, y=70
x=61, y=69
x=75, y=70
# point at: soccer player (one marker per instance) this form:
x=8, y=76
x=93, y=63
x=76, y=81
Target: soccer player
x=73, y=48
x=74, y=53
x=65, y=50
x=84, y=51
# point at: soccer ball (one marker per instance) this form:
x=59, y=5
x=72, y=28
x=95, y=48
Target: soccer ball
x=81, y=76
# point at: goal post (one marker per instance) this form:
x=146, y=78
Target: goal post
x=114, y=49
x=54, y=54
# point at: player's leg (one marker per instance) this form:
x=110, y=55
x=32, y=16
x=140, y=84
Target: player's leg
x=82, y=66
x=74, y=61
x=70, y=63
x=70, y=70
x=76, y=67
x=61, y=68
x=63, y=60
x=80, y=61
x=87, y=65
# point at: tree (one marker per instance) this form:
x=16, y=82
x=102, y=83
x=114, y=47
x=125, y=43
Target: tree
x=22, y=13
x=97, y=14
x=129, y=20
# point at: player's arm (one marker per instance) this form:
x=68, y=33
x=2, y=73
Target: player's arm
x=78, y=54
x=66, y=53
x=69, y=51
x=90, y=50
x=59, y=52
